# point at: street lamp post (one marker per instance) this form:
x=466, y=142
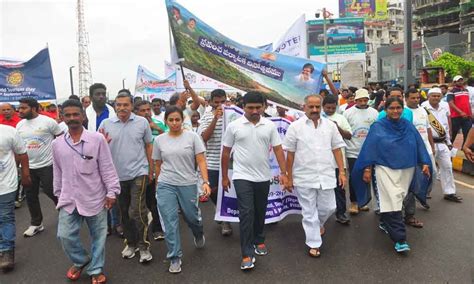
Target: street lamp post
x=70, y=80
x=123, y=83
x=326, y=14
x=325, y=37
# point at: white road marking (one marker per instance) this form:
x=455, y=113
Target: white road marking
x=464, y=184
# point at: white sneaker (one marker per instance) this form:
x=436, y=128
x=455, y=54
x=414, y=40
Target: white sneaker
x=145, y=256
x=175, y=266
x=33, y=230
x=129, y=252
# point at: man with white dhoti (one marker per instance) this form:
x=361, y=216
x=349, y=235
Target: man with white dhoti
x=440, y=130
x=313, y=145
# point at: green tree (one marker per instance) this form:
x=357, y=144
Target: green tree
x=453, y=65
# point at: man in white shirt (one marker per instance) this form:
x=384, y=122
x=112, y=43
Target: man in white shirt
x=313, y=146
x=100, y=110
x=157, y=113
x=38, y=132
x=11, y=144
x=440, y=131
x=344, y=128
x=360, y=118
x=421, y=123
x=251, y=137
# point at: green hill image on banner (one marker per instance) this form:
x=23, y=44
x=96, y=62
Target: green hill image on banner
x=283, y=79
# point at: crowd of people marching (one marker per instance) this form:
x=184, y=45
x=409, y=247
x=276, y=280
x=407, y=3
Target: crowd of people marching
x=110, y=166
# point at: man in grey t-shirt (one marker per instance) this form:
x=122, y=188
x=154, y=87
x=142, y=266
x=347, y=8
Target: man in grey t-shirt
x=130, y=138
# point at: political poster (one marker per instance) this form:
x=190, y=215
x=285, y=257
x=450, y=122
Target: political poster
x=367, y=9
x=149, y=86
x=294, y=41
x=344, y=37
x=280, y=203
x=32, y=78
x=283, y=79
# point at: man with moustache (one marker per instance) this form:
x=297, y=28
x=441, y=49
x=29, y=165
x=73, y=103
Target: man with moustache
x=130, y=141
x=313, y=146
x=250, y=137
x=86, y=185
x=38, y=132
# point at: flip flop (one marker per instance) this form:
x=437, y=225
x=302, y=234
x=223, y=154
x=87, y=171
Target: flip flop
x=98, y=279
x=74, y=272
x=314, y=252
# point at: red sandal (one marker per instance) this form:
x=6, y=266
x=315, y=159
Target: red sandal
x=74, y=272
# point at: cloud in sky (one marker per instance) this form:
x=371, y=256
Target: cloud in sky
x=125, y=33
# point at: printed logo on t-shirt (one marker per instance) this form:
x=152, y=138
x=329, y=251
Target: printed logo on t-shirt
x=360, y=132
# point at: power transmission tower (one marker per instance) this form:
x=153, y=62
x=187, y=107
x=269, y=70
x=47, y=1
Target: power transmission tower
x=85, y=72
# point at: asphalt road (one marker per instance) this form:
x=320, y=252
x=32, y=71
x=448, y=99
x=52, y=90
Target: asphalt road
x=442, y=252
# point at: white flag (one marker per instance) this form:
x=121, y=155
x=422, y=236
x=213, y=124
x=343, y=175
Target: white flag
x=294, y=42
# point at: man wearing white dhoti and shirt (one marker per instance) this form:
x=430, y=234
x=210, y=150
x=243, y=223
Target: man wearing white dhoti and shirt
x=442, y=140
x=313, y=146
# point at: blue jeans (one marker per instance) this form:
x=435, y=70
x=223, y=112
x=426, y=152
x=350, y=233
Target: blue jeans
x=69, y=227
x=170, y=198
x=7, y=221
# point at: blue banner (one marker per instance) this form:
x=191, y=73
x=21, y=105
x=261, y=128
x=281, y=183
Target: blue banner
x=33, y=78
x=283, y=79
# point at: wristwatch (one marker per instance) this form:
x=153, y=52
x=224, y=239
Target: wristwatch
x=206, y=182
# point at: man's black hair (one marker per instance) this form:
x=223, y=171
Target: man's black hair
x=393, y=89
x=72, y=103
x=331, y=99
x=254, y=97
x=410, y=91
x=32, y=103
x=74, y=97
x=96, y=86
x=138, y=104
x=218, y=93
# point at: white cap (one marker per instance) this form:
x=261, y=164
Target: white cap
x=457, y=78
x=361, y=93
x=434, y=91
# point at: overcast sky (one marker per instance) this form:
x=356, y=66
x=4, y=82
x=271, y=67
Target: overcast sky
x=126, y=33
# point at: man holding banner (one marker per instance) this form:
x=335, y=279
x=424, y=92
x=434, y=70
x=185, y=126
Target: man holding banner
x=251, y=137
x=313, y=147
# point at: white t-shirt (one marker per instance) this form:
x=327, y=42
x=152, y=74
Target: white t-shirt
x=360, y=121
x=160, y=117
x=251, y=148
x=10, y=144
x=38, y=134
x=422, y=124
x=63, y=126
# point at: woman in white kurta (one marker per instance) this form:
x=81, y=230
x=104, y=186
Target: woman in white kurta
x=395, y=149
